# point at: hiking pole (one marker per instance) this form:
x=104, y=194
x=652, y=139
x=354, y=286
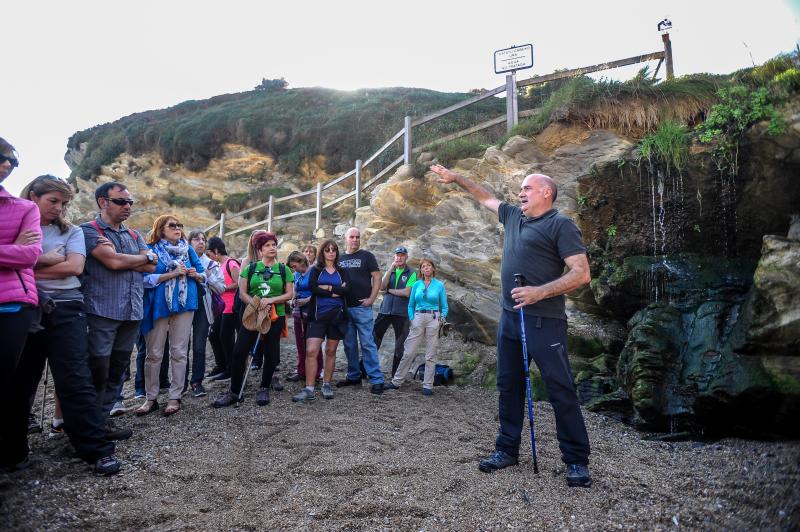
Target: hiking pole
x=519, y=280
x=44, y=390
x=250, y=357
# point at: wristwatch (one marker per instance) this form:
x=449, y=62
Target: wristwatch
x=150, y=257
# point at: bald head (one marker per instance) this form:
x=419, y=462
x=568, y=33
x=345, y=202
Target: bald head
x=541, y=180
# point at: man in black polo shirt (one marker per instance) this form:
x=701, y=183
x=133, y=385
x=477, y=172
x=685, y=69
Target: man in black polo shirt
x=538, y=243
x=396, y=285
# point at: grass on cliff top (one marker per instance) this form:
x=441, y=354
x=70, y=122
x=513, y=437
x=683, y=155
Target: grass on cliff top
x=290, y=125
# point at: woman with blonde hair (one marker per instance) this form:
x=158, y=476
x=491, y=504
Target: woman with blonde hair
x=60, y=333
x=170, y=300
x=427, y=307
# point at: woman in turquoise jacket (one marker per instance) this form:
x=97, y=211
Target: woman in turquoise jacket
x=170, y=299
x=427, y=308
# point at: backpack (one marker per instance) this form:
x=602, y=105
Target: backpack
x=442, y=376
x=238, y=304
x=103, y=234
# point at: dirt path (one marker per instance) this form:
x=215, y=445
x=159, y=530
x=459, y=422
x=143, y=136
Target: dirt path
x=396, y=461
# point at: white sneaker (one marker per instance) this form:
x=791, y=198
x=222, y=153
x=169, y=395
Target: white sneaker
x=118, y=409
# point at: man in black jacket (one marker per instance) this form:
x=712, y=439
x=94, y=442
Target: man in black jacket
x=396, y=286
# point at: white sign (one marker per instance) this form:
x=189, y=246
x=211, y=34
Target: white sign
x=514, y=58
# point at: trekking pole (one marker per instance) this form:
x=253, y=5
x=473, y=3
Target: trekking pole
x=519, y=280
x=44, y=390
x=250, y=357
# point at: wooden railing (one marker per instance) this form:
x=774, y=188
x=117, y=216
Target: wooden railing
x=511, y=118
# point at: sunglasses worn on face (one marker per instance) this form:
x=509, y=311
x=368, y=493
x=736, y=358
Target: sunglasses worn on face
x=330, y=250
x=173, y=225
x=14, y=162
x=120, y=201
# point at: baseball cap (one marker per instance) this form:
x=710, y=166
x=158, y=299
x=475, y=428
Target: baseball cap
x=401, y=249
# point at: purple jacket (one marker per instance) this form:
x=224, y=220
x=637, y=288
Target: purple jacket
x=17, y=283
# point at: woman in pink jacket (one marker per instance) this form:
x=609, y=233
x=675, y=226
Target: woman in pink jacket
x=20, y=247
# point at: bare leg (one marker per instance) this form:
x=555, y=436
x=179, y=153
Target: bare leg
x=330, y=359
x=312, y=346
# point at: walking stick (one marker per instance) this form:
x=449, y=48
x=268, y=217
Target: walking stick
x=250, y=357
x=44, y=390
x=519, y=280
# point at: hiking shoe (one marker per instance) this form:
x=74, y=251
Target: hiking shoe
x=214, y=373
x=304, y=396
x=226, y=399
x=427, y=392
x=254, y=366
x=347, y=382
x=33, y=425
x=376, y=389
x=107, y=466
x=390, y=386
x=198, y=390
x=276, y=384
x=295, y=377
x=497, y=460
x=118, y=409
x=221, y=377
x=578, y=476
x=114, y=433
x=56, y=430
x=140, y=394
x=262, y=397
x=327, y=391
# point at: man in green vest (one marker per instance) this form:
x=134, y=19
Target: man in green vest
x=396, y=286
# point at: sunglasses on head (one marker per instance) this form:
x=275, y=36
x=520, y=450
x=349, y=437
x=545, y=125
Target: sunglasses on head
x=14, y=162
x=120, y=201
x=173, y=225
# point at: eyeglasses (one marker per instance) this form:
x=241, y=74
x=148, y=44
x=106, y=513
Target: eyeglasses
x=173, y=225
x=14, y=162
x=120, y=201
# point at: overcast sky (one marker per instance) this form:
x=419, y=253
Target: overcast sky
x=70, y=65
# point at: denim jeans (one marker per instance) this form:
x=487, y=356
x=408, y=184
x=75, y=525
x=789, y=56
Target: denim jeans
x=360, y=331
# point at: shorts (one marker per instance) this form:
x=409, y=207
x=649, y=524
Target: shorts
x=331, y=325
x=106, y=335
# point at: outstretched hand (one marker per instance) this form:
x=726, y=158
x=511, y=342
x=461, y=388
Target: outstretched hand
x=445, y=175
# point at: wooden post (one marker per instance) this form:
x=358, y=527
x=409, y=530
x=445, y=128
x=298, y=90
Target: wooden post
x=668, y=54
x=318, y=222
x=358, y=183
x=222, y=225
x=269, y=214
x=511, y=101
x=407, y=140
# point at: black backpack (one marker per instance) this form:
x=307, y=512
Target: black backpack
x=238, y=304
x=441, y=377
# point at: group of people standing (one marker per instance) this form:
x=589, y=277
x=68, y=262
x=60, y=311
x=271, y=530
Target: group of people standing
x=82, y=297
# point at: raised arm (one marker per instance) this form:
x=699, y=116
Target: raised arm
x=481, y=194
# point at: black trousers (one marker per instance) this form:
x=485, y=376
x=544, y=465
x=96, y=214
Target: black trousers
x=63, y=342
x=245, y=340
x=547, y=346
x=401, y=326
x=223, y=340
x=14, y=332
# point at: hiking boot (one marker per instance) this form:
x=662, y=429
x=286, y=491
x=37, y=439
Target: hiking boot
x=376, y=389
x=578, y=476
x=347, y=382
x=214, y=373
x=107, y=466
x=118, y=409
x=262, y=397
x=327, y=391
x=114, y=433
x=304, y=396
x=295, y=377
x=198, y=390
x=276, y=384
x=33, y=425
x=226, y=399
x=497, y=460
x=390, y=386
x=427, y=392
